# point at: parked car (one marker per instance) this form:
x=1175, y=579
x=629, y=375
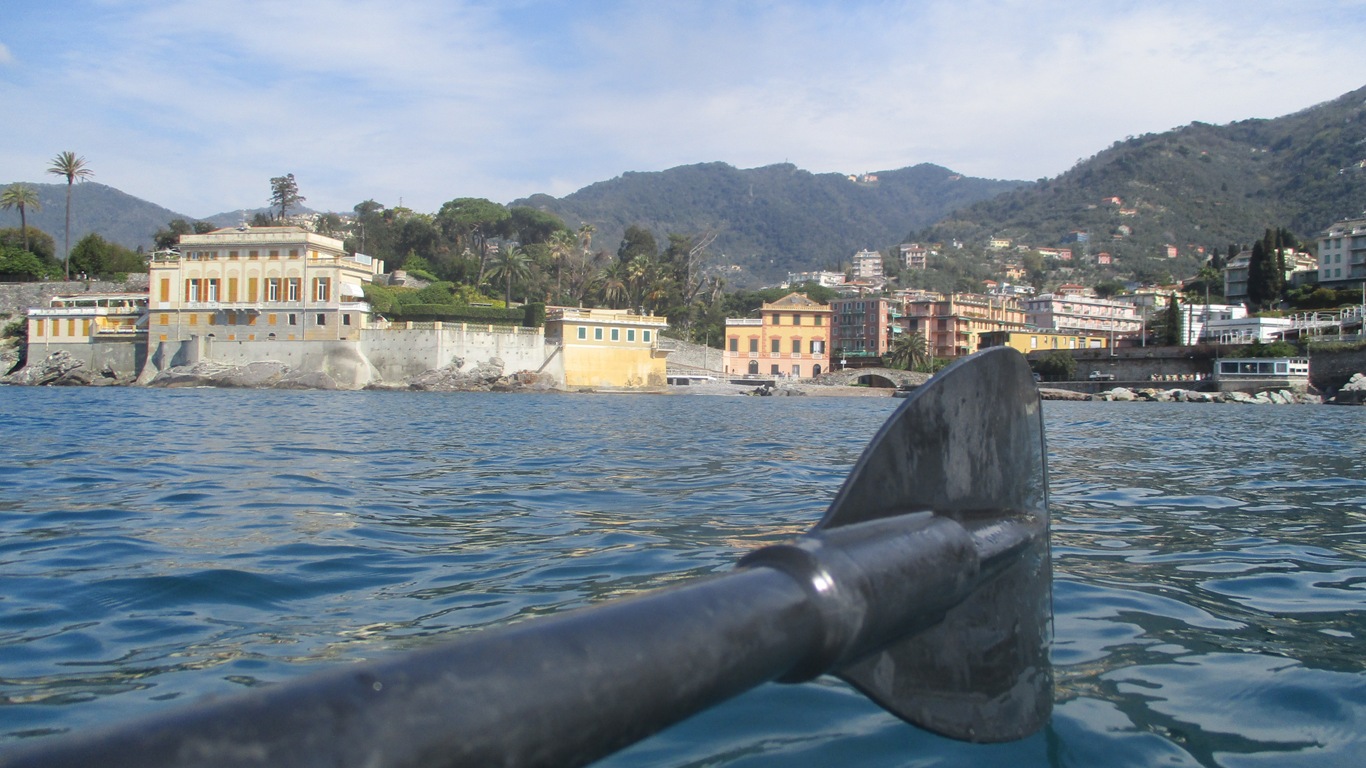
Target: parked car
x=1099, y=376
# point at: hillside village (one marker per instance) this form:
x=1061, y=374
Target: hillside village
x=281, y=305
x=1132, y=267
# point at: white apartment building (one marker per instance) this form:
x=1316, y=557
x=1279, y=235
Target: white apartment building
x=1081, y=314
x=1342, y=254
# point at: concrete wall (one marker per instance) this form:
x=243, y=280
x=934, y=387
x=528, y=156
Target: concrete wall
x=1140, y=364
x=123, y=356
x=398, y=353
x=1328, y=371
x=379, y=356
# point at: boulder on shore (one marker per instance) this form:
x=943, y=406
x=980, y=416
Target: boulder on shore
x=60, y=369
x=258, y=375
x=1352, y=393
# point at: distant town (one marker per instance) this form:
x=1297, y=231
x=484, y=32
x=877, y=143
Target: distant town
x=287, y=291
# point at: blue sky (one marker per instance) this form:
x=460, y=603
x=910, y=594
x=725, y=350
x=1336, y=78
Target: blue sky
x=195, y=104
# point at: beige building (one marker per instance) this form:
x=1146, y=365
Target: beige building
x=608, y=347
x=256, y=284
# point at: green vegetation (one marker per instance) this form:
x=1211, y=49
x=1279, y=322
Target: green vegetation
x=97, y=258
x=1259, y=349
x=284, y=192
x=71, y=167
x=910, y=352
x=1057, y=365
x=1196, y=188
x=772, y=220
x=24, y=198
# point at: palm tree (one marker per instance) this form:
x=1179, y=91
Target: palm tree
x=561, y=246
x=22, y=197
x=613, y=284
x=910, y=352
x=511, y=264
x=69, y=165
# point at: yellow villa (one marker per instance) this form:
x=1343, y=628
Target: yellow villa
x=258, y=283
x=790, y=337
x=610, y=348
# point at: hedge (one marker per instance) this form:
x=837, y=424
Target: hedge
x=460, y=314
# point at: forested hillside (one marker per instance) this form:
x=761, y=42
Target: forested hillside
x=773, y=219
x=116, y=216
x=1197, y=186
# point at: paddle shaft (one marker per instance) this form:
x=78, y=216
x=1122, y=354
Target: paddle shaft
x=569, y=688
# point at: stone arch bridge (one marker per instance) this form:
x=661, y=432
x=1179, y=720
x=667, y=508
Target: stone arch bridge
x=873, y=377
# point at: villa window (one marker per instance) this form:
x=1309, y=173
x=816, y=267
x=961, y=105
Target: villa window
x=292, y=289
x=583, y=332
x=796, y=346
x=754, y=346
x=630, y=334
x=272, y=289
x=322, y=288
x=645, y=337
x=773, y=369
x=322, y=319
x=796, y=319
x=597, y=334
x=734, y=344
x=774, y=345
x=616, y=334
x=777, y=319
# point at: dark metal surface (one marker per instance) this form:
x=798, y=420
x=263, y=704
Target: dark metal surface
x=940, y=534
x=971, y=449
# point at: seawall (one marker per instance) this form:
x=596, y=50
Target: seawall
x=379, y=356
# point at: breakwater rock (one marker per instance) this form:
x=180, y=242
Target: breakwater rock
x=1352, y=393
x=1277, y=397
x=60, y=369
x=258, y=375
x=487, y=376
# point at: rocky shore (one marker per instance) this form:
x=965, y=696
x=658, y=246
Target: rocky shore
x=1353, y=393
x=60, y=369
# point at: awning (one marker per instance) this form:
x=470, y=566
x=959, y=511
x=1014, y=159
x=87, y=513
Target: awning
x=352, y=289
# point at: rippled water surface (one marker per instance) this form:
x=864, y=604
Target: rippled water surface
x=157, y=546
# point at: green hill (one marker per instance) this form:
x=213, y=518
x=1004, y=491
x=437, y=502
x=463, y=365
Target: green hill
x=116, y=216
x=774, y=219
x=1197, y=186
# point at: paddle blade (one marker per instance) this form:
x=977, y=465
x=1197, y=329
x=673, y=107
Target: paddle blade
x=968, y=446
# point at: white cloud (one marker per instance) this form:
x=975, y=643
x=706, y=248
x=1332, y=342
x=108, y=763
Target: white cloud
x=5, y=56
x=195, y=109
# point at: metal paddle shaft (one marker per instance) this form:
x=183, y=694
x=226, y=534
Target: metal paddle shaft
x=882, y=585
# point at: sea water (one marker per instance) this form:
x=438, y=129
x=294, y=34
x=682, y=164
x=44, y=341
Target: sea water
x=157, y=546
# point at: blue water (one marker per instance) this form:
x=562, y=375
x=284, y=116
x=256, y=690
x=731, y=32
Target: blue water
x=160, y=545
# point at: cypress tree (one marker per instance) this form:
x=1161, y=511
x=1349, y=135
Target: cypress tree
x=1171, y=322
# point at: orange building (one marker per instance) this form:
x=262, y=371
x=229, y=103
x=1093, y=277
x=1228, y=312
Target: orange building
x=791, y=337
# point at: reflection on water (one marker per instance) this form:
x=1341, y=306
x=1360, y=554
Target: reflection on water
x=1210, y=578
